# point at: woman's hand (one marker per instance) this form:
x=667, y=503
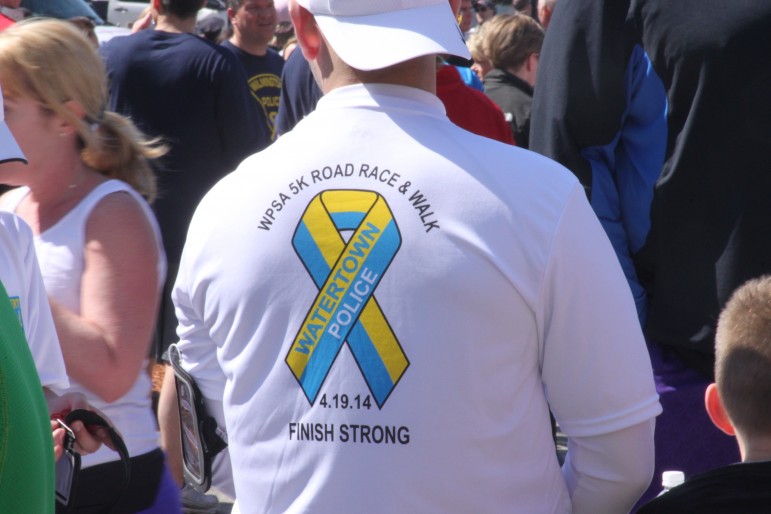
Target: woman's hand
x=87, y=439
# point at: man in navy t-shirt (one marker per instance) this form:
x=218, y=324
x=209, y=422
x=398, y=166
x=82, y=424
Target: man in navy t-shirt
x=254, y=23
x=190, y=93
x=299, y=93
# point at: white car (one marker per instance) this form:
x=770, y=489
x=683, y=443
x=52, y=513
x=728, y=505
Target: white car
x=125, y=12
x=105, y=32
x=118, y=14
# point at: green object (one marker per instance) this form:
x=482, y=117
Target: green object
x=26, y=444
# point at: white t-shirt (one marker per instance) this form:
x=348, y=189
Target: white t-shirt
x=393, y=300
x=20, y=275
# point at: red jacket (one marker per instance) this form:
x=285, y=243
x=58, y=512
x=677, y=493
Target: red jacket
x=471, y=109
x=5, y=22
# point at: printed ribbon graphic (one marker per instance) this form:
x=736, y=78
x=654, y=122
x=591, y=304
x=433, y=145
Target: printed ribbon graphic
x=347, y=275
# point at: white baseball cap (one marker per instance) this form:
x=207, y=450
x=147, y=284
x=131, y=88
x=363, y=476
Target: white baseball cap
x=9, y=149
x=375, y=34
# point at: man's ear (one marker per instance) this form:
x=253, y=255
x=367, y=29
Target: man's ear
x=306, y=31
x=157, y=5
x=532, y=62
x=716, y=410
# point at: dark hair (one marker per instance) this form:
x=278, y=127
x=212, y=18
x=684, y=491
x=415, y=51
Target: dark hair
x=82, y=22
x=234, y=4
x=478, y=4
x=182, y=9
x=520, y=5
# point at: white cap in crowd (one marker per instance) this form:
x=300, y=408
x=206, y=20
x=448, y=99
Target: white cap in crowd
x=375, y=34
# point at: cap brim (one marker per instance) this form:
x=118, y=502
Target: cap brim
x=9, y=149
x=377, y=41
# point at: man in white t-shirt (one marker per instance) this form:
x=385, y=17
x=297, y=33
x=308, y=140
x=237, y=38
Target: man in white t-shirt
x=20, y=276
x=396, y=303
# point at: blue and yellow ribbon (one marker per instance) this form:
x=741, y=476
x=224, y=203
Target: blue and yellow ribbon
x=347, y=274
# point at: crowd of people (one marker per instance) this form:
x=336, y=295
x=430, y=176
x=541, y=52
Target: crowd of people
x=335, y=256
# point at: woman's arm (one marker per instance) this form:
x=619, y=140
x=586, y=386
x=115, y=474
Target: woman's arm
x=104, y=347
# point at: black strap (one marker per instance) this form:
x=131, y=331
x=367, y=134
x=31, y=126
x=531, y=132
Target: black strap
x=210, y=439
x=214, y=438
x=91, y=419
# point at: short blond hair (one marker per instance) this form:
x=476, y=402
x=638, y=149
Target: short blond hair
x=52, y=62
x=476, y=43
x=743, y=356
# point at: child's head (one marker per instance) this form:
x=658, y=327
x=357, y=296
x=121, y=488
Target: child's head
x=512, y=43
x=511, y=38
x=743, y=360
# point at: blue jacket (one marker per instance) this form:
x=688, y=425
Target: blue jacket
x=662, y=110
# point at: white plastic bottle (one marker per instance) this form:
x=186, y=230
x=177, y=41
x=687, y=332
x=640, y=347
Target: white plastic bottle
x=670, y=479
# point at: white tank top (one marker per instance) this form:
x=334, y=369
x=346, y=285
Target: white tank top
x=60, y=251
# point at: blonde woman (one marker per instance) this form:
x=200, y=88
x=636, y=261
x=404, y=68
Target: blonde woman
x=84, y=194
x=475, y=44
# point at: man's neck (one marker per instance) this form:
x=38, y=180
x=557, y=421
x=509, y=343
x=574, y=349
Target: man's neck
x=250, y=47
x=419, y=73
x=168, y=23
x=521, y=74
x=754, y=449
